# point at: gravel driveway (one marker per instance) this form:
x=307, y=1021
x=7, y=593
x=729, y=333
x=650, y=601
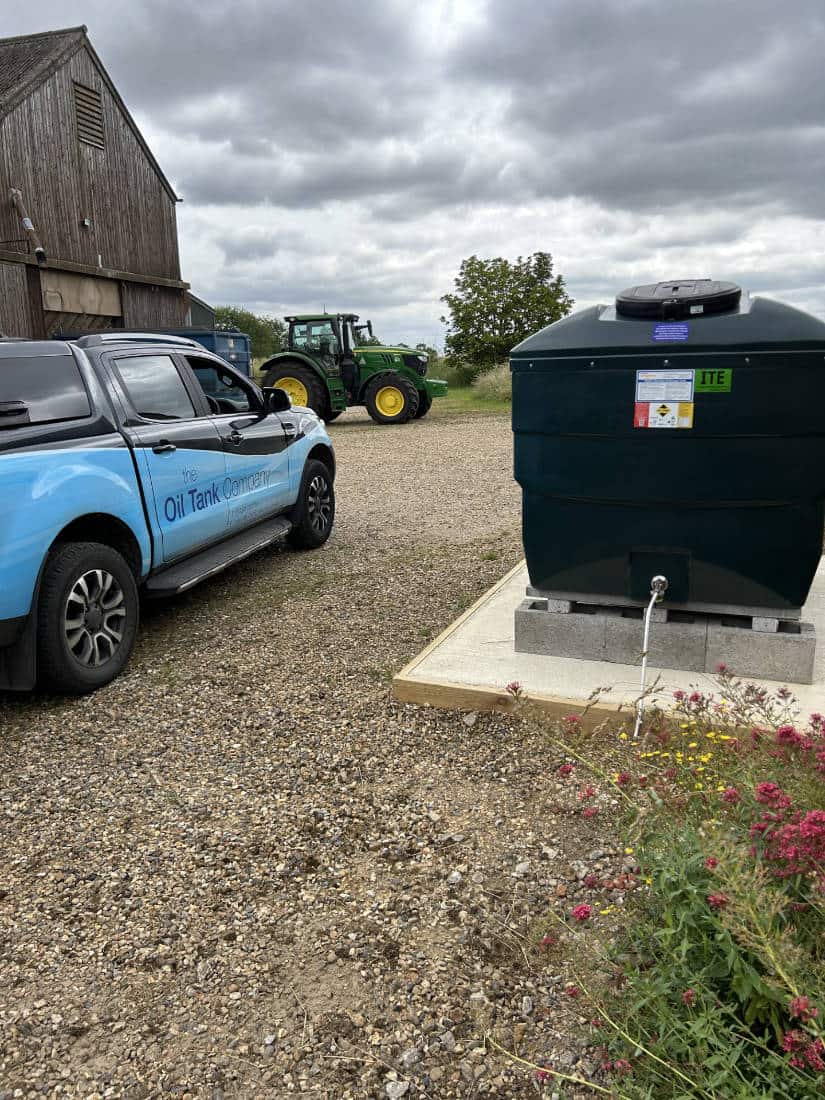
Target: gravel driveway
x=242, y=870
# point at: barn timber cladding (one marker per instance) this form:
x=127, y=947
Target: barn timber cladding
x=100, y=202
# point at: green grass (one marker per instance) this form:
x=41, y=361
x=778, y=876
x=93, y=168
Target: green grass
x=465, y=399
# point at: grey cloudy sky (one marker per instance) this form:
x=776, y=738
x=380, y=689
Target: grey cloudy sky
x=351, y=153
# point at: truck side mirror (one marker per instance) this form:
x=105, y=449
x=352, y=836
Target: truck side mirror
x=277, y=400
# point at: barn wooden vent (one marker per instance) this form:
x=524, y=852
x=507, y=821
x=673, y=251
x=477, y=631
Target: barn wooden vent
x=88, y=109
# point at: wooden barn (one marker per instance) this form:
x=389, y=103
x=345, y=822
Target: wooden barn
x=88, y=232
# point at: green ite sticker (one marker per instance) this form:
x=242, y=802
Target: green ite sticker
x=713, y=381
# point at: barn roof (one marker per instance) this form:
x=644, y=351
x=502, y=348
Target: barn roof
x=29, y=60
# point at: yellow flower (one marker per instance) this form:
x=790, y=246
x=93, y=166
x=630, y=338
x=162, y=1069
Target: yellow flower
x=628, y=851
x=710, y=736
x=698, y=787
x=649, y=881
x=622, y=736
x=609, y=909
x=700, y=769
x=693, y=745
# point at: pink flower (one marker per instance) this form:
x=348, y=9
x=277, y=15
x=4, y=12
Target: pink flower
x=721, y=668
x=542, y=1075
x=565, y=770
x=586, y=793
x=582, y=913
x=622, y=1066
x=731, y=795
x=794, y=1040
x=596, y=1022
x=771, y=794
x=548, y=941
x=573, y=991
x=718, y=901
x=623, y=778
x=678, y=695
x=711, y=862
x=572, y=719
x=514, y=688
x=590, y=811
x=591, y=881
x=695, y=697
x=688, y=997
x=814, y=1055
x=802, y=1008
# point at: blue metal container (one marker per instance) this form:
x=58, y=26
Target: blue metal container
x=231, y=345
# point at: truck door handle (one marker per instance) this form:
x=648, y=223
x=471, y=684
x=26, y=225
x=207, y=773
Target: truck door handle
x=234, y=437
x=289, y=429
x=163, y=447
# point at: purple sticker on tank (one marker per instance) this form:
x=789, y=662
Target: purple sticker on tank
x=671, y=331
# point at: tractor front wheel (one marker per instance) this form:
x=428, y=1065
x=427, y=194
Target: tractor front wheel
x=425, y=403
x=304, y=387
x=391, y=399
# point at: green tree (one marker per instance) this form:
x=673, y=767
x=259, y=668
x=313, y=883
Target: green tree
x=267, y=333
x=497, y=304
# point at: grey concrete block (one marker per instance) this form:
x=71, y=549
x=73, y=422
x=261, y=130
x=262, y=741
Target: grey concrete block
x=765, y=626
x=578, y=636
x=670, y=645
x=658, y=614
x=786, y=657
x=559, y=607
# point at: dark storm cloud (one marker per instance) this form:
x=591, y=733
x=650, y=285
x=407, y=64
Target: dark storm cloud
x=642, y=105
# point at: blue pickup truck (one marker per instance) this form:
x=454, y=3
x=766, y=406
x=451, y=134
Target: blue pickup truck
x=129, y=463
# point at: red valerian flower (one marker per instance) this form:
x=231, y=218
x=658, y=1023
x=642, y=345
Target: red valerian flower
x=814, y=1055
x=794, y=1040
x=590, y=811
x=718, y=901
x=622, y=1066
x=591, y=881
x=802, y=1008
x=721, y=668
x=731, y=795
x=688, y=997
x=623, y=778
x=566, y=769
x=513, y=688
x=587, y=793
x=581, y=913
x=678, y=695
x=548, y=941
x=596, y=1022
x=695, y=697
x=711, y=862
x=573, y=991
x=771, y=794
x=572, y=719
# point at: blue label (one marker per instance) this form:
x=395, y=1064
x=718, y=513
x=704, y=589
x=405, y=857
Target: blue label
x=672, y=331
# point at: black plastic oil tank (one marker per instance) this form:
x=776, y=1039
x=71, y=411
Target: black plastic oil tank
x=680, y=431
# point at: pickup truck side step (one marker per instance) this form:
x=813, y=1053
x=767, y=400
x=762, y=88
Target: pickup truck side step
x=186, y=574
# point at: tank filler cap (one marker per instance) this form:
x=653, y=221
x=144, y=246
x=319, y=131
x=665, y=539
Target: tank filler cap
x=677, y=299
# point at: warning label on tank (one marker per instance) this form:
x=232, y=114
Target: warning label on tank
x=671, y=332
x=663, y=414
x=664, y=385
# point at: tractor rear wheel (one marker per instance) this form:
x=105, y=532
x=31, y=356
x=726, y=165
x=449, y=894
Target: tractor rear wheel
x=425, y=403
x=304, y=387
x=391, y=399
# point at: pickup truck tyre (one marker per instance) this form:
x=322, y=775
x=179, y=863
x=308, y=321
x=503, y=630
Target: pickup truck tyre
x=314, y=512
x=391, y=399
x=87, y=617
x=425, y=403
x=303, y=386
x=330, y=416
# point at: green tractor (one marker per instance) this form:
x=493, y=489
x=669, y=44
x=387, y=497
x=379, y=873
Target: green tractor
x=332, y=362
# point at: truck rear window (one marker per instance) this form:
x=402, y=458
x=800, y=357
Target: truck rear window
x=50, y=387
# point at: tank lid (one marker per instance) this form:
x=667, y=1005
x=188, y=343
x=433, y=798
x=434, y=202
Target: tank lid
x=678, y=298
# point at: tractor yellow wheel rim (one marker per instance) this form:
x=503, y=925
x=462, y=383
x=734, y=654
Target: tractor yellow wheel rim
x=389, y=401
x=296, y=389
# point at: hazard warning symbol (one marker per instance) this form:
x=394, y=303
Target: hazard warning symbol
x=663, y=414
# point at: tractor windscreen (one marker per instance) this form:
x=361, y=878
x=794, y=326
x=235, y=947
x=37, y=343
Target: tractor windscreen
x=314, y=336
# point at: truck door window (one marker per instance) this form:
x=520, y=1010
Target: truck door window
x=155, y=388
x=50, y=388
x=220, y=385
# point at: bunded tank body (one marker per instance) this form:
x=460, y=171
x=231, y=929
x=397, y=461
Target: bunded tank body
x=681, y=432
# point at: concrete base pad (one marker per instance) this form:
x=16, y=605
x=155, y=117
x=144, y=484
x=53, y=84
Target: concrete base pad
x=469, y=665
x=693, y=642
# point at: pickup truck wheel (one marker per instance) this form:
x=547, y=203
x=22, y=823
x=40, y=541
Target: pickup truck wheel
x=425, y=403
x=87, y=617
x=314, y=512
x=391, y=399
